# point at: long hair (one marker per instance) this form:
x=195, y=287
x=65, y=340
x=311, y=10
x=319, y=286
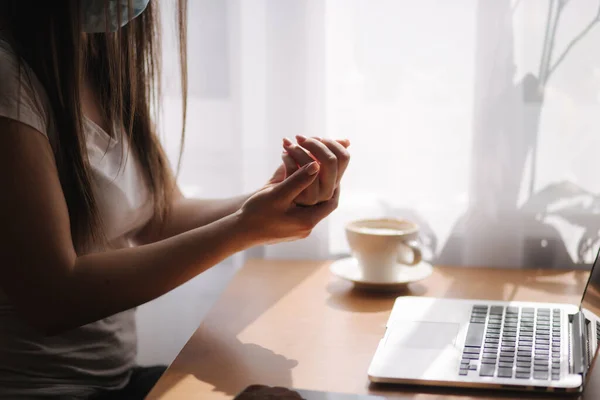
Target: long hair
x=124, y=70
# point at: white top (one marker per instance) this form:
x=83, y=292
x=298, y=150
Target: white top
x=99, y=355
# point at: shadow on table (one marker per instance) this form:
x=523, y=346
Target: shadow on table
x=402, y=391
x=230, y=365
x=344, y=296
x=216, y=356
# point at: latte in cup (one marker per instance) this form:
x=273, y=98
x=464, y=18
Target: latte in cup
x=382, y=245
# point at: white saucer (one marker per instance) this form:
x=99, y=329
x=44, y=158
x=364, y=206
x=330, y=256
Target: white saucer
x=348, y=269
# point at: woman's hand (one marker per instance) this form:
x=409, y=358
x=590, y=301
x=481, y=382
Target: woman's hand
x=271, y=215
x=333, y=158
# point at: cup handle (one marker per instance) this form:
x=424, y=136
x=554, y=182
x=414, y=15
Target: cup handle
x=415, y=246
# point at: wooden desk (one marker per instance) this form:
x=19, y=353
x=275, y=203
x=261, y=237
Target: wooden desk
x=293, y=324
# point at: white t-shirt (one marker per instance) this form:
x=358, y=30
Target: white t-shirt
x=99, y=355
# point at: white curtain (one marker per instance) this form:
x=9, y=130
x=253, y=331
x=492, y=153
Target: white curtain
x=476, y=119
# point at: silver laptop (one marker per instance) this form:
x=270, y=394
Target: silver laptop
x=491, y=344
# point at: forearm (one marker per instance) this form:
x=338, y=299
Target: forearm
x=102, y=284
x=188, y=214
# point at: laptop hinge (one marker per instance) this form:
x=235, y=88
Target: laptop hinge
x=579, y=343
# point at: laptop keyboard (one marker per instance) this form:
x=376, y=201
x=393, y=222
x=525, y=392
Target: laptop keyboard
x=513, y=342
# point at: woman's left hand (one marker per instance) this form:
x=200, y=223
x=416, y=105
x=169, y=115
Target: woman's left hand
x=331, y=154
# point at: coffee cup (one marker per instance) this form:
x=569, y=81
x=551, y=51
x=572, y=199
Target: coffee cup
x=380, y=246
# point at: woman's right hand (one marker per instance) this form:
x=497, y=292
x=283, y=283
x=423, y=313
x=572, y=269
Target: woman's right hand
x=271, y=215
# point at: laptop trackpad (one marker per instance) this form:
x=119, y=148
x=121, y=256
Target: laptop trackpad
x=423, y=335
x=418, y=350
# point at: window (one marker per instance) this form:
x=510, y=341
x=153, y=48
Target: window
x=476, y=119
x=462, y=121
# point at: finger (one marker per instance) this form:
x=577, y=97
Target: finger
x=343, y=142
x=292, y=186
x=342, y=155
x=297, y=153
x=279, y=174
x=328, y=161
x=290, y=164
x=314, y=214
x=301, y=158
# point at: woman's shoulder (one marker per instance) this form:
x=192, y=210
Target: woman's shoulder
x=22, y=97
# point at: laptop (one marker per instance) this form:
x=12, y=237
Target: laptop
x=547, y=347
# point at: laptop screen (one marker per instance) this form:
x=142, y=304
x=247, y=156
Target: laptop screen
x=590, y=305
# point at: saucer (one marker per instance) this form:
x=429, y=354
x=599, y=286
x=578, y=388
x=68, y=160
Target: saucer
x=348, y=269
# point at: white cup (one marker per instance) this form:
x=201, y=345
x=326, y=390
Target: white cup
x=382, y=245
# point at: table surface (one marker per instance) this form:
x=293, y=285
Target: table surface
x=293, y=324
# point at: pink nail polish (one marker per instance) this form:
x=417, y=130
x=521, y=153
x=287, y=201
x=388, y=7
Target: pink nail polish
x=300, y=138
x=287, y=142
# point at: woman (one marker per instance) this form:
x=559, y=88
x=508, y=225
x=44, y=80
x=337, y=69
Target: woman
x=93, y=223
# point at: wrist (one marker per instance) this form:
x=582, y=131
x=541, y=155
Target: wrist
x=244, y=231
x=236, y=203
x=242, y=199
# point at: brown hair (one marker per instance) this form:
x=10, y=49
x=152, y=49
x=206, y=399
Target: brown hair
x=124, y=70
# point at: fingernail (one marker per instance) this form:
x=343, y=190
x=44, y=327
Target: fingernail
x=300, y=138
x=287, y=142
x=312, y=168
